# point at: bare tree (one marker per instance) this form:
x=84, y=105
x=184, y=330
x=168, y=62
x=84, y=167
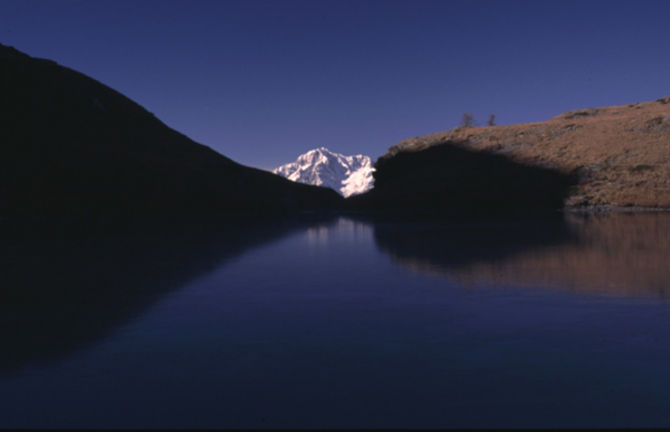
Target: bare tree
x=492, y=120
x=468, y=119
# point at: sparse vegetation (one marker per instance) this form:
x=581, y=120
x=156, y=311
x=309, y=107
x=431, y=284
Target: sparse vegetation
x=641, y=167
x=581, y=113
x=468, y=120
x=655, y=121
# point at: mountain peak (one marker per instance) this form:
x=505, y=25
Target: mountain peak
x=348, y=175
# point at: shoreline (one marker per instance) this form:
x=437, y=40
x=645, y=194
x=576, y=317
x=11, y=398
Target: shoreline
x=615, y=209
x=255, y=216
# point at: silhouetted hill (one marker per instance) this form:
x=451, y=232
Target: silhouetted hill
x=71, y=145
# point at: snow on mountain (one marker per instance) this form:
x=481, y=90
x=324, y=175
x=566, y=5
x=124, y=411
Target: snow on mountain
x=348, y=175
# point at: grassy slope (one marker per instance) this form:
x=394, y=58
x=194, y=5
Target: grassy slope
x=620, y=154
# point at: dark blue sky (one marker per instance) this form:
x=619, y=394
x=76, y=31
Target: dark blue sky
x=262, y=81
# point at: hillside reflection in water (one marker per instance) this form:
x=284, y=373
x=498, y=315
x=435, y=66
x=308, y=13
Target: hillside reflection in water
x=66, y=285
x=617, y=254
x=337, y=323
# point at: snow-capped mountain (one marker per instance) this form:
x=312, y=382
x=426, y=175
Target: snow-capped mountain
x=348, y=175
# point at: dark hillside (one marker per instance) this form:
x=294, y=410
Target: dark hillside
x=71, y=145
x=454, y=179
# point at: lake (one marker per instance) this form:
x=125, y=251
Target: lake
x=338, y=322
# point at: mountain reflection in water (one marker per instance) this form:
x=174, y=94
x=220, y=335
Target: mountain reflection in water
x=619, y=254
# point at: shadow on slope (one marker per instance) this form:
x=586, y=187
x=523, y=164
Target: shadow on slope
x=450, y=178
x=66, y=285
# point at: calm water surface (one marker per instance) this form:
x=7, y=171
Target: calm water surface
x=339, y=323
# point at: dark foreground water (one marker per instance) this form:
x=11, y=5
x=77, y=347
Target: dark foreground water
x=338, y=323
